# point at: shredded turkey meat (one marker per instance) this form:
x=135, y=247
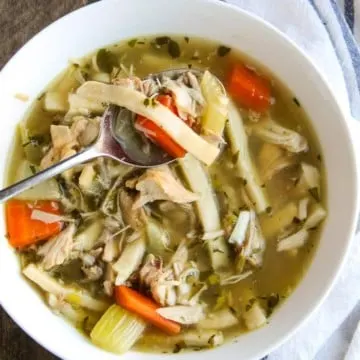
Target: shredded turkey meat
x=58, y=250
x=133, y=215
x=177, y=283
x=159, y=184
x=66, y=140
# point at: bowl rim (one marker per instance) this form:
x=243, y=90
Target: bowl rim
x=300, y=53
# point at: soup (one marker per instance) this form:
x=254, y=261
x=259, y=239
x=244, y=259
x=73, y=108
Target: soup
x=181, y=256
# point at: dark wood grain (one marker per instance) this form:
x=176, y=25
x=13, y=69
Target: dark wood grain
x=19, y=21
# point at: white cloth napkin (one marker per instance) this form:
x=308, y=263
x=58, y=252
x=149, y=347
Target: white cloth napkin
x=319, y=28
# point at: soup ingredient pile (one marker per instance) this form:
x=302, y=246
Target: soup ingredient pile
x=180, y=256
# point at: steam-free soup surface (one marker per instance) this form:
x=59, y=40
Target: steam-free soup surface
x=181, y=256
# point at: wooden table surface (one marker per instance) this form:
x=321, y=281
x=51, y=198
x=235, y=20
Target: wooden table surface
x=20, y=21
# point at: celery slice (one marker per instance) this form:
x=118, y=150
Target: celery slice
x=117, y=330
x=216, y=110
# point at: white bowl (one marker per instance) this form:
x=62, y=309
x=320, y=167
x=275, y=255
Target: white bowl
x=106, y=22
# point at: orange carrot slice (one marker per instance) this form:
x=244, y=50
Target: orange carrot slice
x=24, y=231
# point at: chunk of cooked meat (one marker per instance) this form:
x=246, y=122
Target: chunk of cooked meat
x=85, y=130
x=177, y=283
x=133, y=216
x=67, y=140
x=160, y=282
x=58, y=250
x=159, y=184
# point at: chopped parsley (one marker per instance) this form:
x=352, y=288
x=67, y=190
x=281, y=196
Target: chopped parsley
x=296, y=101
x=296, y=220
x=272, y=301
x=250, y=304
x=35, y=140
x=106, y=60
x=33, y=169
x=223, y=50
x=132, y=42
x=314, y=192
x=173, y=49
x=162, y=40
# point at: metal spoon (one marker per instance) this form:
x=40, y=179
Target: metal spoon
x=124, y=146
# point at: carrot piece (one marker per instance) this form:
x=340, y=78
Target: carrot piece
x=251, y=90
x=167, y=101
x=157, y=134
x=137, y=303
x=22, y=230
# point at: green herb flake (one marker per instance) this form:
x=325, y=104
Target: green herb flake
x=269, y=210
x=271, y=302
x=296, y=220
x=141, y=42
x=162, y=40
x=211, y=340
x=232, y=310
x=153, y=102
x=106, y=60
x=189, y=66
x=178, y=347
x=146, y=102
x=41, y=96
x=244, y=181
x=187, y=39
x=314, y=192
x=296, y=101
x=35, y=140
x=33, y=169
x=318, y=157
x=223, y=50
x=250, y=304
x=131, y=43
x=173, y=49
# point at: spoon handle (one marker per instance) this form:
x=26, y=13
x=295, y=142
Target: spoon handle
x=58, y=168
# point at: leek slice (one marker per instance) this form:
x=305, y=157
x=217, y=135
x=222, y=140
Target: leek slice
x=117, y=330
x=216, y=110
x=237, y=137
x=86, y=239
x=199, y=183
x=129, y=260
